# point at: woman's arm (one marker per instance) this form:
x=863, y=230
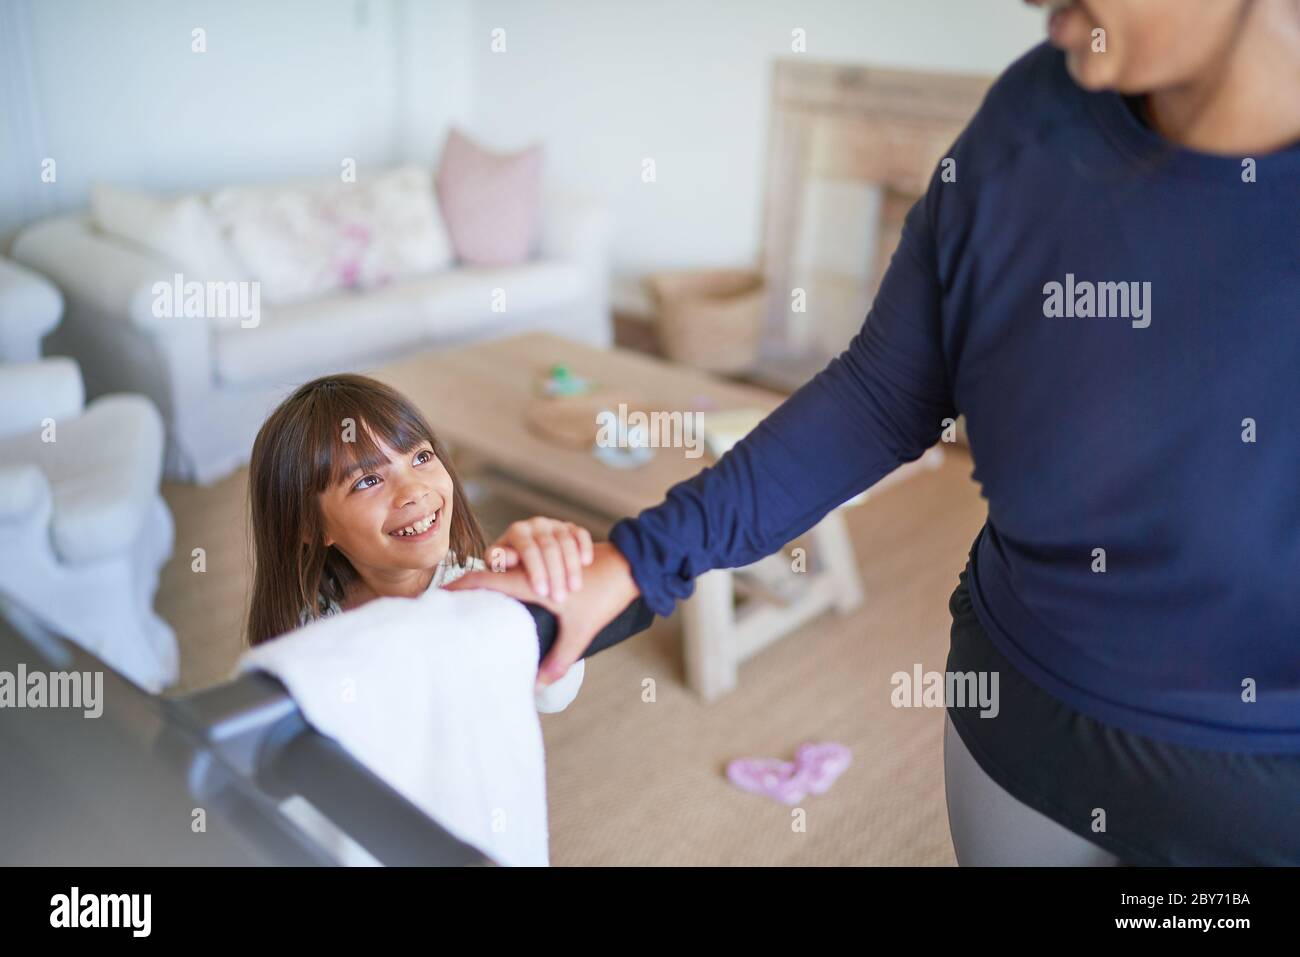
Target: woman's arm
x=558, y=695
x=605, y=611
x=632, y=620
x=879, y=404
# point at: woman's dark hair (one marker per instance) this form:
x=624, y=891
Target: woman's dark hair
x=312, y=441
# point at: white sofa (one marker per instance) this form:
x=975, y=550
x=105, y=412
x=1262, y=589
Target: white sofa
x=83, y=528
x=215, y=381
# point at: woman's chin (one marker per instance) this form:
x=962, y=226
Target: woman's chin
x=1088, y=70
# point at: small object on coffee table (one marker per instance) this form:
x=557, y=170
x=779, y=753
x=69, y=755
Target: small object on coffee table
x=560, y=381
x=574, y=421
x=631, y=446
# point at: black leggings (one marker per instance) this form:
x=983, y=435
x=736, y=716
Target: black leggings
x=1033, y=785
x=1030, y=785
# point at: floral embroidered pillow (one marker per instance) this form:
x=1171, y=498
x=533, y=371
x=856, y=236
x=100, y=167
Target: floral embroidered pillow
x=308, y=240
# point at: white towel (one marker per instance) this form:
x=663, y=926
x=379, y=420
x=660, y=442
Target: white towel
x=556, y=696
x=435, y=695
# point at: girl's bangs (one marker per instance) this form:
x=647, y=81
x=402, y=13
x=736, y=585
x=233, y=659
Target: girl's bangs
x=349, y=440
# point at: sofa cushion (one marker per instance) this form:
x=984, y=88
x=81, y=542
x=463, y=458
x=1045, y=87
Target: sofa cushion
x=462, y=300
x=103, y=472
x=181, y=231
x=307, y=240
x=491, y=201
x=347, y=330
x=333, y=333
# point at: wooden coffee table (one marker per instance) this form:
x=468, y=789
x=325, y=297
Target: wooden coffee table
x=477, y=398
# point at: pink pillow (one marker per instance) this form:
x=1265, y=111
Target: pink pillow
x=491, y=202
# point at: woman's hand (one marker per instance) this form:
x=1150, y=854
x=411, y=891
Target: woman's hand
x=609, y=589
x=552, y=552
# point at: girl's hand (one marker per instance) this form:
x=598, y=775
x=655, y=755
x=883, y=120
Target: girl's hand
x=552, y=554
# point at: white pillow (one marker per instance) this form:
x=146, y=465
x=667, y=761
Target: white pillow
x=181, y=230
x=306, y=240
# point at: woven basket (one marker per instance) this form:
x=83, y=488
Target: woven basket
x=710, y=318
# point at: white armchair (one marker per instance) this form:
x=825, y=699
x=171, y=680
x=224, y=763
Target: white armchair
x=83, y=528
x=30, y=306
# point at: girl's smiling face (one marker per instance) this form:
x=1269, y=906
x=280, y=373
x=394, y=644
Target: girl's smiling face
x=393, y=517
x=338, y=469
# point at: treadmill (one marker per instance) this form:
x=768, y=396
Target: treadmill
x=198, y=779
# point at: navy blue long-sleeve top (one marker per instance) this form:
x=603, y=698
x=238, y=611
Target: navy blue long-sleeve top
x=1119, y=320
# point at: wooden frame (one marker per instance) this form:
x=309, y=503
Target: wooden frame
x=853, y=123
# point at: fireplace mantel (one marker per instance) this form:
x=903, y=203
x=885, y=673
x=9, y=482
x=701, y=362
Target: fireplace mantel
x=869, y=134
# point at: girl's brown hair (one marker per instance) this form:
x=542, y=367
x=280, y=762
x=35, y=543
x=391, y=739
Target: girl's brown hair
x=313, y=441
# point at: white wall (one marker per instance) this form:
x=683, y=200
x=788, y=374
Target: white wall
x=606, y=83
x=288, y=88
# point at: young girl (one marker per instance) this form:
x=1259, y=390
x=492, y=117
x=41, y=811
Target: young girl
x=353, y=498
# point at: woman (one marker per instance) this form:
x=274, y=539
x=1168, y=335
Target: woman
x=1109, y=289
